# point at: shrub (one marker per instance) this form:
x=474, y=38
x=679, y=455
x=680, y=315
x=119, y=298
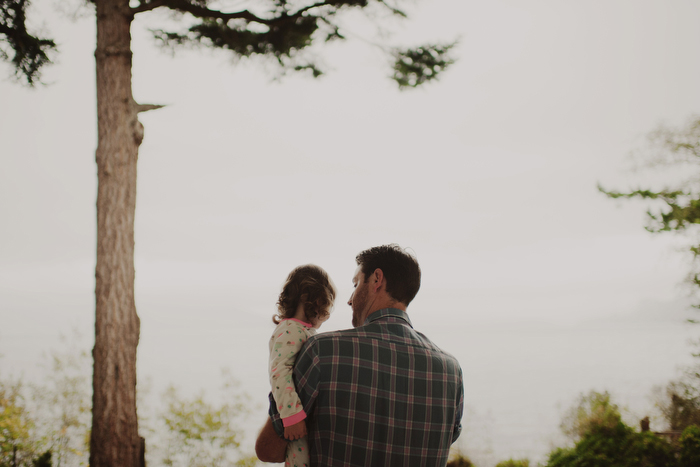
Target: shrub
x=680, y=405
x=616, y=446
x=459, y=460
x=514, y=463
x=689, y=455
x=17, y=445
x=594, y=409
x=43, y=460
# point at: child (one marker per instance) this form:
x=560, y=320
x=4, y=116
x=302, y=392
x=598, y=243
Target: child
x=303, y=305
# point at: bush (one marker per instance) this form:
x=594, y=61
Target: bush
x=17, y=445
x=594, y=409
x=199, y=433
x=459, y=460
x=43, y=460
x=680, y=405
x=689, y=455
x=617, y=446
x=514, y=463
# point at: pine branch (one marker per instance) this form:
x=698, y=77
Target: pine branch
x=413, y=67
x=310, y=7
x=147, y=6
x=185, y=6
x=31, y=52
x=394, y=10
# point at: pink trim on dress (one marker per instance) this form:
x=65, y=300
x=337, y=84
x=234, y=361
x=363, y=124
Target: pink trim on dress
x=294, y=419
x=303, y=323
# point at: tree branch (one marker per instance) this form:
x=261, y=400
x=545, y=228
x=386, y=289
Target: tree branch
x=201, y=12
x=147, y=6
x=309, y=7
x=394, y=10
x=147, y=107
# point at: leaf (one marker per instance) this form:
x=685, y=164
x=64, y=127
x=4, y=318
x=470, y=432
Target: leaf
x=414, y=67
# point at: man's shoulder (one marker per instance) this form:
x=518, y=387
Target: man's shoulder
x=330, y=339
x=376, y=331
x=342, y=334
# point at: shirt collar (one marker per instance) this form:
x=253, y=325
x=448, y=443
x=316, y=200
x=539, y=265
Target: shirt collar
x=388, y=312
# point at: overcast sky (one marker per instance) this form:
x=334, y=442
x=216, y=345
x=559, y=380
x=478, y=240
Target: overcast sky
x=489, y=176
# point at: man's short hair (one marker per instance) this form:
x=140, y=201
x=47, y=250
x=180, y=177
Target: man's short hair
x=400, y=269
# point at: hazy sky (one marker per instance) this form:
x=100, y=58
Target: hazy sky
x=488, y=175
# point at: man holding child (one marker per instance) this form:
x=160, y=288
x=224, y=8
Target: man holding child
x=381, y=394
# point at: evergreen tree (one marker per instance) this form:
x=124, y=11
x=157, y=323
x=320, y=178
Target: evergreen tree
x=679, y=209
x=280, y=30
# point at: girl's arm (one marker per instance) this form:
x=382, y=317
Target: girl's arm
x=284, y=349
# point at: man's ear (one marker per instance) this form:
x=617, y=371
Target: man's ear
x=377, y=279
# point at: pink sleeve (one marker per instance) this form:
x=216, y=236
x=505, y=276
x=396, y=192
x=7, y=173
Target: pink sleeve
x=294, y=419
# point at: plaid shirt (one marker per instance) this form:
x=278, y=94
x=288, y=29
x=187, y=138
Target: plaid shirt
x=378, y=395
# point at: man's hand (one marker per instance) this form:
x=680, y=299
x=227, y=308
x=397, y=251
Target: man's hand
x=296, y=431
x=269, y=447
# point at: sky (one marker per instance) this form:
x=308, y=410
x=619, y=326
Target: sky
x=531, y=277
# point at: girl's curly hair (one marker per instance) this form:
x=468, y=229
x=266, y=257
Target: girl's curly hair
x=310, y=285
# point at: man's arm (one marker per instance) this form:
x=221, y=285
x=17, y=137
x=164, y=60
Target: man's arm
x=269, y=447
x=460, y=408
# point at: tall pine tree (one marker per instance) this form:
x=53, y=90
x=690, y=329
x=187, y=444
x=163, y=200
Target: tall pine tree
x=278, y=29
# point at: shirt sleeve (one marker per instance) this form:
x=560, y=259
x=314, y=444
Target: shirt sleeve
x=307, y=374
x=285, y=346
x=460, y=409
x=307, y=377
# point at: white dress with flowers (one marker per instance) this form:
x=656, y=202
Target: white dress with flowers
x=285, y=343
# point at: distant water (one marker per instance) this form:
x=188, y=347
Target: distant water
x=520, y=377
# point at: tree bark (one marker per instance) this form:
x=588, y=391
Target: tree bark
x=114, y=439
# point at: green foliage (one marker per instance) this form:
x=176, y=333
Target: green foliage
x=30, y=53
x=282, y=39
x=278, y=29
x=682, y=209
x=47, y=423
x=63, y=403
x=16, y=444
x=19, y=446
x=413, y=67
x=514, y=463
x=679, y=209
x=457, y=459
x=202, y=434
x=680, y=405
x=689, y=455
x=603, y=440
x=592, y=410
x=615, y=446
x=43, y=460
x=284, y=31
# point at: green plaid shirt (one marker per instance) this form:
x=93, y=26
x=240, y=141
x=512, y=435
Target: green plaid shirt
x=378, y=395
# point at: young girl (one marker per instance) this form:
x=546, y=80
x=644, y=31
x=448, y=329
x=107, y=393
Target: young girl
x=303, y=305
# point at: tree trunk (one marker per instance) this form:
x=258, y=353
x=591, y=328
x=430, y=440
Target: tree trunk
x=114, y=440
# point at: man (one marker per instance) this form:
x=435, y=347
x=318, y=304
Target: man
x=380, y=394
